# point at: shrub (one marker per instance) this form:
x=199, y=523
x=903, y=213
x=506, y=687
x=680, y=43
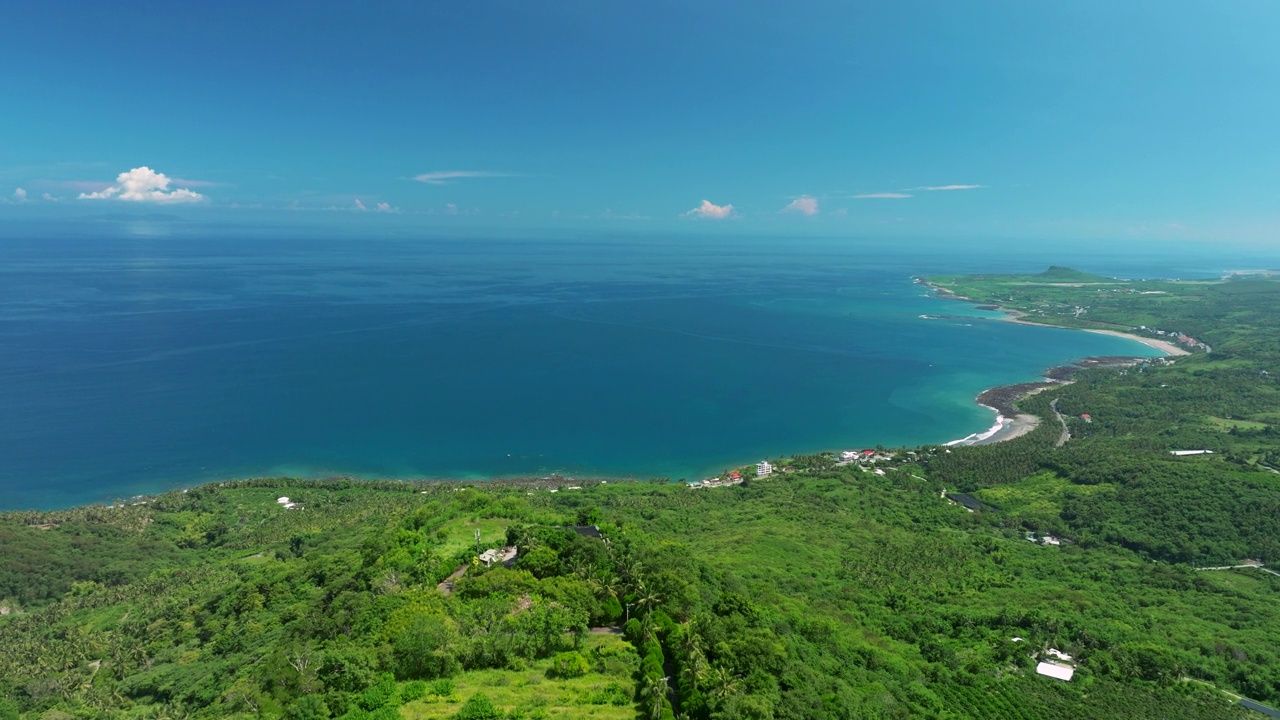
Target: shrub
x=380, y=695
x=413, y=690
x=478, y=707
x=568, y=665
x=610, y=610
x=443, y=687
x=611, y=694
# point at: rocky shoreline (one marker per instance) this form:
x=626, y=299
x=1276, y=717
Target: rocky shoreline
x=1004, y=397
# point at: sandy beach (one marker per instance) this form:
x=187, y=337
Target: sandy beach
x=1168, y=348
x=1020, y=425
x=1165, y=346
x=1005, y=428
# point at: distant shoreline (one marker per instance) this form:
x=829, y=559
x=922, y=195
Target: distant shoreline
x=1017, y=317
x=1009, y=422
x=1164, y=346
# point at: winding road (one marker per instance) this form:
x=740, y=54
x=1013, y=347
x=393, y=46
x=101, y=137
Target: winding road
x=1066, y=434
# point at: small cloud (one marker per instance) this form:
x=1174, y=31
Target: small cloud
x=710, y=210
x=934, y=188
x=881, y=196
x=805, y=205
x=386, y=208
x=441, y=177
x=360, y=205
x=49, y=198
x=19, y=195
x=142, y=184
x=450, y=209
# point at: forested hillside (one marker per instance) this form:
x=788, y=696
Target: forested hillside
x=826, y=590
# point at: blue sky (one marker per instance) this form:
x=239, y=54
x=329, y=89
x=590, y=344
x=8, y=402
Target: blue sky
x=1150, y=120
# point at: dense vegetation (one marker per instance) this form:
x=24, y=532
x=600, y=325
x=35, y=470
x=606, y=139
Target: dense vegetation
x=828, y=591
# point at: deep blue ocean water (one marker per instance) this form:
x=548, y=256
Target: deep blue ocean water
x=133, y=365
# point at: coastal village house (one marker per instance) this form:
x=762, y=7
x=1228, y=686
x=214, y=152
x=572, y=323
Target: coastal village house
x=763, y=468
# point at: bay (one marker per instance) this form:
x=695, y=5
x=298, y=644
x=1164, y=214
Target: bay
x=132, y=365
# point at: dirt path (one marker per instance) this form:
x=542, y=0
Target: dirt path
x=446, y=587
x=1255, y=566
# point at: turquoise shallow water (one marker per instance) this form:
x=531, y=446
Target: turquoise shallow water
x=129, y=366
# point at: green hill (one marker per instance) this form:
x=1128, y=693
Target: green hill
x=1057, y=273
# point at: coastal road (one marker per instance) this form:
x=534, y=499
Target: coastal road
x=1066, y=434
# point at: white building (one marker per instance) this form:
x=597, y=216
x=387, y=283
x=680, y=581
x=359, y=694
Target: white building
x=498, y=555
x=763, y=468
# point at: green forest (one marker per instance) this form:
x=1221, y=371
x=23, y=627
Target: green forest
x=828, y=589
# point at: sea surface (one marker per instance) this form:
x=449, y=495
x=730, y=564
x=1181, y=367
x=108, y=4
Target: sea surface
x=133, y=365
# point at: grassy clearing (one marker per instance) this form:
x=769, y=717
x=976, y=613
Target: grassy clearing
x=1039, y=496
x=462, y=533
x=531, y=693
x=1225, y=424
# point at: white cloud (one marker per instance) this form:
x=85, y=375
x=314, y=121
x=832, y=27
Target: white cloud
x=881, y=196
x=49, y=198
x=932, y=188
x=19, y=195
x=440, y=177
x=712, y=211
x=142, y=184
x=805, y=205
x=381, y=207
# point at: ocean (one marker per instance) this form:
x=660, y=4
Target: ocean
x=130, y=365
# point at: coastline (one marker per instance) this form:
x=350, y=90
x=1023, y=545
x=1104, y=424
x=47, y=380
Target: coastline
x=1009, y=423
x=1168, y=348
x=1164, y=346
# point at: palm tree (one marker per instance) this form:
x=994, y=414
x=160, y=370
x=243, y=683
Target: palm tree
x=648, y=631
x=691, y=642
x=580, y=568
x=653, y=692
x=695, y=668
x=647, y=599
x=630, y=567
x=604, y=584
x=724, y=683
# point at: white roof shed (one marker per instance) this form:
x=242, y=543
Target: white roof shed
x=1054, y=670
